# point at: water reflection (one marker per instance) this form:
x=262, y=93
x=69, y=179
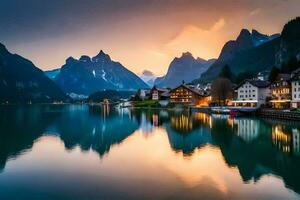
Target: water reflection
x=254, y=147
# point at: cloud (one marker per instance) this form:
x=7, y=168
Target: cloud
x=198, y=41
x=255, y=12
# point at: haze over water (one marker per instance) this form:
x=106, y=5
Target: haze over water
x=82, y=152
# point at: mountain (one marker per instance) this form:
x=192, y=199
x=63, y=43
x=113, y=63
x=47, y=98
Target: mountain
x=186, y=68
x=290, y=42
x=250, y=52
x=22, y=82
x=148, y=77
x=52, y=73
x=88, y=75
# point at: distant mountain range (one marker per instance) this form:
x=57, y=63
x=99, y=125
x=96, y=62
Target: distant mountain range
x=185, y=68
x=148, y=77
x=88, y=75
x=249, y=52
x=22, y=82
x=255, y=52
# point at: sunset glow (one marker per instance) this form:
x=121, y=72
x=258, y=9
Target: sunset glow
x=144, y=34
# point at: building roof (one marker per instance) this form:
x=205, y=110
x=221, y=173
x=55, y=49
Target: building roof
x=165, y=94
x=283, y=77
x=256, y=83
x=160, y=89
x=193, y=90
x=297, y=71
x=296, y=77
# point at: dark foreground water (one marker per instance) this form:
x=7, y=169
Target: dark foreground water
x=81, y=152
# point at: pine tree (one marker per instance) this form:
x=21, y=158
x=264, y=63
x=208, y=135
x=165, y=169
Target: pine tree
x=273, y=74
x=226, y=73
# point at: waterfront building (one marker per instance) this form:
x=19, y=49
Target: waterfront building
x=143, y=93
x=281, y=92
x=295, y=82
x=156, y=93
x=252, y=93
x=184, y=94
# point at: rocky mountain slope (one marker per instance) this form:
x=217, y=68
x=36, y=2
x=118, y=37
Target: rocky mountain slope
x=249, y=52
x=88, y=75
x=22, y=82
x=185, y=68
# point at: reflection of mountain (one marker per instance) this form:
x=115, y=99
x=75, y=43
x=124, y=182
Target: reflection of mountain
x=88, y=128
x=187, y=143
x=76, y=125
x=251, y=145
x=20, y=127
x=258, y=158
x=255, y=147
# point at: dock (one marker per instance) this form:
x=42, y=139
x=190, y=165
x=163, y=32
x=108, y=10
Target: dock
x=280, y=114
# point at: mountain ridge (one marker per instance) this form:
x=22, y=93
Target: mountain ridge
x=22, y=82
x=184, y=68
x=91, y=74
x=251, y=51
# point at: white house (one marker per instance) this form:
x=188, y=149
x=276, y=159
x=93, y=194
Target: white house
x=252, y=93
x=143, y=93
x=295, y=82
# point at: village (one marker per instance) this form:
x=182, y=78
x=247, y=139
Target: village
x=279, y=98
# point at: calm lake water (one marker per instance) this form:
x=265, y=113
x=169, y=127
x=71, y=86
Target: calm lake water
x=82, y=152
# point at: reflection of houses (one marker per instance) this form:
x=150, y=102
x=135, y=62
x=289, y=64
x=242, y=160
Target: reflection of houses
x=281, y=91
x=252, y=93
x=184, y=94
x=247, y=129
x=295, y=82
x=203, y=118
x=182, y=123
x=296, y=141
x=281, y=139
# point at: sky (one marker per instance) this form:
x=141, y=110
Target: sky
x=141, y=34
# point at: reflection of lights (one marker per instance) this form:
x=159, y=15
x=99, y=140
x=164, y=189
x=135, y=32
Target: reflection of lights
x=155, y=119
x=106, y=110
x=202, y=117
x=281, y=139
x=182, y=123
x=230, y=122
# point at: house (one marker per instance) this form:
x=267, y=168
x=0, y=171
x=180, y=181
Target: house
x=143, y=93
x=252, y=93
x=156, y=92
x=295, y=82
x=184, y=94
x=281, y=92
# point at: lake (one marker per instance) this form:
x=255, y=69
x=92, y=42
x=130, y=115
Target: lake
x=83, y=152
